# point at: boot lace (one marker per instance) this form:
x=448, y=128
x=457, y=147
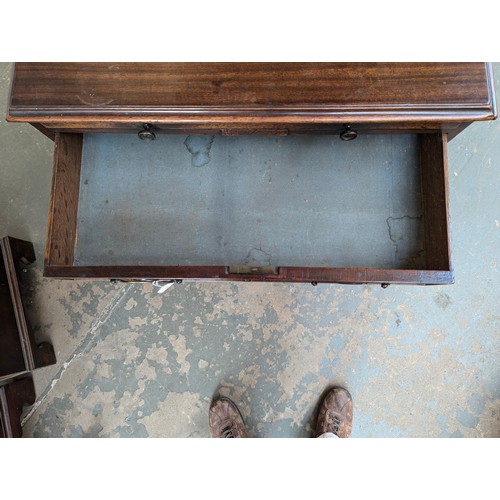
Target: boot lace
x=335, y=423
x=227, y=432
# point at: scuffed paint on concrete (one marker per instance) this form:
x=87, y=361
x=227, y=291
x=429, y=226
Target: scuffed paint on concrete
x=273, y=349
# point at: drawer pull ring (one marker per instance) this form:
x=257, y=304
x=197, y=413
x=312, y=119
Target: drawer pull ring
x=147, y=134
x=348, y=134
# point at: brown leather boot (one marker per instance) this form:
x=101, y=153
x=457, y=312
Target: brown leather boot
x=335, y=413
x=225, y=419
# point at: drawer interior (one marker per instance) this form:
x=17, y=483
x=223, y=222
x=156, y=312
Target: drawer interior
x=378, y=202
x=250, y=200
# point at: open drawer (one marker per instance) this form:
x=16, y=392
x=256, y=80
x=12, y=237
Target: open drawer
x=250, y=208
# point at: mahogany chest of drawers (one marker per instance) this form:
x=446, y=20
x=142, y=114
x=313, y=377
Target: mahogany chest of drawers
x=292, y=172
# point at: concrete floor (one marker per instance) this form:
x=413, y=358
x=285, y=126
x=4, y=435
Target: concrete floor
x=419, y=361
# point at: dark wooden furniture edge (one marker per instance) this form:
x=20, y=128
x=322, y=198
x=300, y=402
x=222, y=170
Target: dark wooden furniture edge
x=45, y=131
x=20, y=353
x=435, y=204
x=35, y=356
x=13, y=397
x=289, y=114
x=63, y=205
x=85, y=115
x=256, y=127
x=283, y=274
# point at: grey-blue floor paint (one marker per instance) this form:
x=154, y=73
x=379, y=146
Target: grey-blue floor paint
x=419, y=361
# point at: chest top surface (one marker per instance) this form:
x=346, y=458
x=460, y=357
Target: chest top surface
x=57, y=93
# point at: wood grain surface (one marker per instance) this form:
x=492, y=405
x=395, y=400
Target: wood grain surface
x=63, y=207
x=284, y=274
x=434, y=168
x=86, y=95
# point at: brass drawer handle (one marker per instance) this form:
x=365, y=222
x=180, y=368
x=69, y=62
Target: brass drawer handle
x=147, y=134
x=348, y=134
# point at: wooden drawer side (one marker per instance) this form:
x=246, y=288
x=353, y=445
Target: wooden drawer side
x=434, y=169
x=63, y=207
x=62, y=233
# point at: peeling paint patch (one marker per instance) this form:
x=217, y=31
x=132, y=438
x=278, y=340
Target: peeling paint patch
x=182, y=352
x=467, y=419
x=131, y=303
x=443, y=300
x=51, y=422
x=181, y=414
x=137, y=321
x=476, y=403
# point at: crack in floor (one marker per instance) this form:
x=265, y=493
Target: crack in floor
x=80, y=349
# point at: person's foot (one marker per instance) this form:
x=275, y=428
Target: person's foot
x=225, y=419
x=335, y=413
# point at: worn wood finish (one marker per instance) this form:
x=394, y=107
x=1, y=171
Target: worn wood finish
x=19, y=354
x=215, y=96
x=63, y=216
x=434, y=167
x=227, y=127
x=13, y=330
x=63, y=207
x=13, y=397
x=221, y=273
x=18, y=351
